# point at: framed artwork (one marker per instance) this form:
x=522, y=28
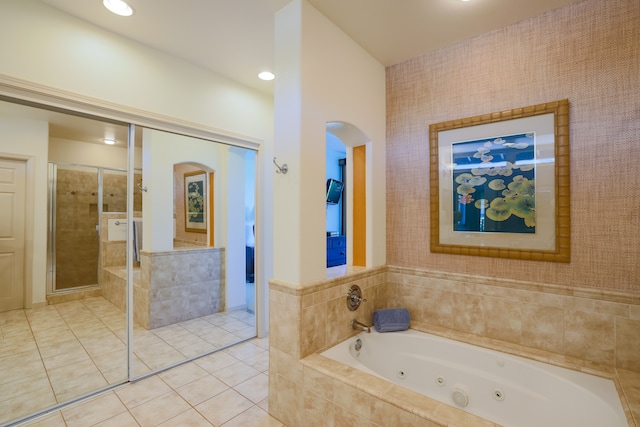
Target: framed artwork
x=195, y=202
x=500, y=184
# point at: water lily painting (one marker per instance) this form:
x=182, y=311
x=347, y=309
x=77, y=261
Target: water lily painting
x=494, y=184
x=195, y=201
x=499, y=184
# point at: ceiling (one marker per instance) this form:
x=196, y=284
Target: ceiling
x=235, y=38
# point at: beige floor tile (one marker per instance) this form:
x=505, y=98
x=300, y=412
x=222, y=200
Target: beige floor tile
x=259, y=362
x=124, y=419
x=82, y=345
x=16, y=344
x=137, y=393
x=181, y=375
x=160, y=409
x=78, y=385
x=245, y=350
x=15, y=368
x=93, y=411
x=197, y=349
x=253, y=417
x=264, y=404
x=26, y=403
x=245, y=333
x=190, y=418
x=66, y=358
x=223, y=407
x=233, y=325
x=161, y=360
x=235, y=374
x=170, y=331
x=255, y=389
x=219, y=337
x=51, y=420
x=24, y=385
x=216, y=361
x=184, y=340
x=202, y=389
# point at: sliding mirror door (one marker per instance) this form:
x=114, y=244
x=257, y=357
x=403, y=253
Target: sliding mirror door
x=186, y=263
x=65, y=339
x=193, y=291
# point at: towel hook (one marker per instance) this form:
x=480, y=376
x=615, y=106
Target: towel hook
x=281, y=169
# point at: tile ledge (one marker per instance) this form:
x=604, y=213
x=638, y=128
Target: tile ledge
x=588, y=293
x=301, y=289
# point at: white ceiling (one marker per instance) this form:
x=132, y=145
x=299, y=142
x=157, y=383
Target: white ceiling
x=235, y=38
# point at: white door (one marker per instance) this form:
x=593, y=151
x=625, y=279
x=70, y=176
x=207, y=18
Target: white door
x=12, y=211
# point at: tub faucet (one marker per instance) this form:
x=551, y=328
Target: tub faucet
x=357, y=326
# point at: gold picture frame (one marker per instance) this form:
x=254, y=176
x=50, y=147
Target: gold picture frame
x=499, y=184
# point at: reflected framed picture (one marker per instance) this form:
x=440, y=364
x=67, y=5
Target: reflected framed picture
x=500, y=184
x=195, y=201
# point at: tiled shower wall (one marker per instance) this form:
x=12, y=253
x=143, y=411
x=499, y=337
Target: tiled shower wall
x=76, y=236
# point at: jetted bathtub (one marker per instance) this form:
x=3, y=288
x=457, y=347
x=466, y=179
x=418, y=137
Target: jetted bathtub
x=509, y=390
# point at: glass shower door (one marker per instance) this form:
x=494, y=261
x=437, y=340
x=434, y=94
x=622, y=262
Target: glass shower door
x=75, y=234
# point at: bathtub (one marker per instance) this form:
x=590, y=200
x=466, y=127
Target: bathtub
x=505, y=389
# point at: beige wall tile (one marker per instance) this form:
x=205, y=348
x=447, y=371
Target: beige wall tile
x=502, y=319
x=469, y=316
x=543, y=327
x=438, y=308
x=385, y=414
x=314, y=329
x=289, y=402
x=343, y=417
x=589, y=336
x=318, y=383
x=628, y=344
x=318, y=411
x=353, y=400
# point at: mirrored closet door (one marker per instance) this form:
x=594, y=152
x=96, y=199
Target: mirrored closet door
x=186, y=264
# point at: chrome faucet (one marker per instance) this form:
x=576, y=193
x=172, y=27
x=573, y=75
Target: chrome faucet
x=357, y=326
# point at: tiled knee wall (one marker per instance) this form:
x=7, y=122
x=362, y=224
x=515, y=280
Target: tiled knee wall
x=596, y=328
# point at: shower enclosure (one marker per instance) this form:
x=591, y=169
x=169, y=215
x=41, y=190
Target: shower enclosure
x=78, y=195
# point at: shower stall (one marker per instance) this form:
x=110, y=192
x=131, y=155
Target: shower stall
x=78, y=195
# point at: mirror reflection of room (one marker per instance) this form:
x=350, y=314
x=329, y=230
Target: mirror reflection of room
x=66, y=336
x=335, y=200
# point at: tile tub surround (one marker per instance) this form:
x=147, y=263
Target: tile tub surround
x=171, y=286
x=539, y=321
x=183, y=284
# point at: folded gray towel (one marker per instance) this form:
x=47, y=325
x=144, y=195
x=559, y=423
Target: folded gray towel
x=391, y=319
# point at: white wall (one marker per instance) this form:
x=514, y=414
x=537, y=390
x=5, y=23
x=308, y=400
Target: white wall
x=71, y=58
x=323, y=76
x=28, y=140
x=82, y=153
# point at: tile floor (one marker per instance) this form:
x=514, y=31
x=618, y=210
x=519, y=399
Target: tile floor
x=56, y=353
x=228, y=388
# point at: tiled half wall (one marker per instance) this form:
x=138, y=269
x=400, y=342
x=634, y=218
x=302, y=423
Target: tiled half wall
x=592, y=331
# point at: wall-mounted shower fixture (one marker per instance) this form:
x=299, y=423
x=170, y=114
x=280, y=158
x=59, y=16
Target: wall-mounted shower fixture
x=281, y=169
x=354, y=298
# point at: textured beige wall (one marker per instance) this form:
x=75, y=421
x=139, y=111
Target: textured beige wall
x=587, y=52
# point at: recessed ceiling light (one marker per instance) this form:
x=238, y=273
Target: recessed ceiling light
x=266, y=75
x=118, y=7
x=109, y=141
